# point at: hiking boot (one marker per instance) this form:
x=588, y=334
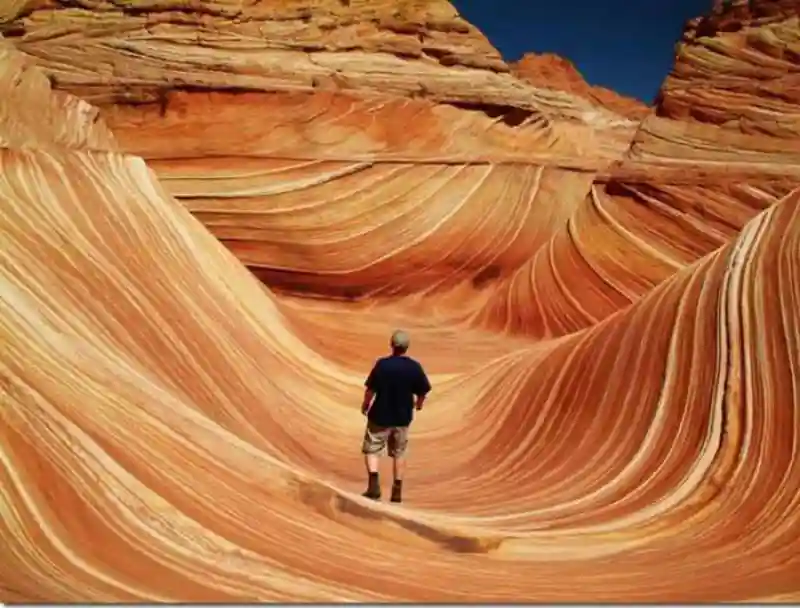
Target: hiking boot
x=373, y=487
x=373, y=494
x=397, y=492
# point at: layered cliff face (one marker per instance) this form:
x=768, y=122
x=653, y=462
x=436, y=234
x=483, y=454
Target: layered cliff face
x=552, y=71
x=418, y=49
x=607, y=309
x=733, y=93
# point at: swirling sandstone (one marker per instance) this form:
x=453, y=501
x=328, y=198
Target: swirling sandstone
x=613, y=333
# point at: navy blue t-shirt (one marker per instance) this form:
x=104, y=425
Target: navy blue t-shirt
x=395, y=380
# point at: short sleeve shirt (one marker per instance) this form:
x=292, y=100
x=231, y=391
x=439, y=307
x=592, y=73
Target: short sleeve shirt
x=395, y=380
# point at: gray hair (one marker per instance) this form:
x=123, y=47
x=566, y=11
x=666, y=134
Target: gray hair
x=400, y=340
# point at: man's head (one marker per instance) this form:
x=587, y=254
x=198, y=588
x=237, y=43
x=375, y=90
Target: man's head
x=399, y=342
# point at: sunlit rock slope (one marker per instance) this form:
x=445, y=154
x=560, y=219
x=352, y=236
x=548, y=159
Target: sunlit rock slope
x=609, y=310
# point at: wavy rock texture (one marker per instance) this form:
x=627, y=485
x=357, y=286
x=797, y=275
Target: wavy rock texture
x=175, y=429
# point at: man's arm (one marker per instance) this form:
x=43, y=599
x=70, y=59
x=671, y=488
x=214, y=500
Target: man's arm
x=422, y=389
x=365, y=405
x=369, y=390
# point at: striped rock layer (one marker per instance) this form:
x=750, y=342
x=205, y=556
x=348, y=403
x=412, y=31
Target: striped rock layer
x=212, y=220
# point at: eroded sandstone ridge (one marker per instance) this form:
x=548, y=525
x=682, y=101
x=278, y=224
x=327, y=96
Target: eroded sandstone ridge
x=609, y=310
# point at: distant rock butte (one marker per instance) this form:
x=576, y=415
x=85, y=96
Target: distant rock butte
x=552, y=71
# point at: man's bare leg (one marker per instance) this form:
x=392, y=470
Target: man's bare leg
x=372, y=463
x=399, y=470
x=399, y=467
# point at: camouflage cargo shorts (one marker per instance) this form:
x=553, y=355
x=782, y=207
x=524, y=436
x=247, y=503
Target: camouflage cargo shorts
x=377, y=438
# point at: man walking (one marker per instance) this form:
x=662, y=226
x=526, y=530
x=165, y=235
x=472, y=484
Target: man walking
x=389, y=404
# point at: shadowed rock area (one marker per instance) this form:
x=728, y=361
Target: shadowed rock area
x=212, y=219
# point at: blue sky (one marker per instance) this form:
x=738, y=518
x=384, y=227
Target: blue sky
x=625, y=45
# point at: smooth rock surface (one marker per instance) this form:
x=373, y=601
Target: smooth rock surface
x=609, y=311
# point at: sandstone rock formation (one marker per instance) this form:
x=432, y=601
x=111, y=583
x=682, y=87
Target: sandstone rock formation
x=551, y=71
x=609, y=310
